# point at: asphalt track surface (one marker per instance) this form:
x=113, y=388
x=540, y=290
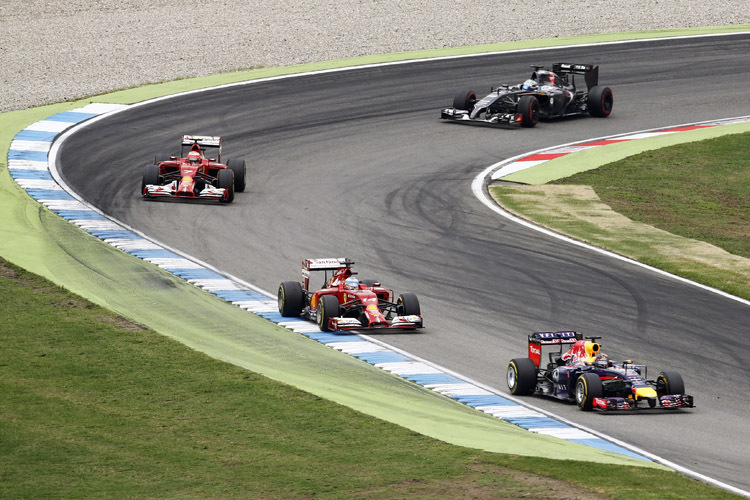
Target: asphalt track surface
x=357, y=164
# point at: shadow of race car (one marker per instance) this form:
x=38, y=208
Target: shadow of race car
x=547, y=94
x=197, y=173
x=584, y=375
x=345, y=302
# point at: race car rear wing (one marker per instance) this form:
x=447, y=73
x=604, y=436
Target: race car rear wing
x=210, y=145
x=333, y=264
x=201, y=140
x=539, y=339
x=326, y=264
x=590, y=72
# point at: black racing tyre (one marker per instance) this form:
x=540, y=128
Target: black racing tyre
x=226, y=181
x=588, y=387
x=600, y=101
x=407, y=304
x=328, y=308
x=669, y=382
x=528, y=108
x=521, y=376
x=150, y=176
x=466, y=99
x=162, y=157
x=369, y=283
x=239, y=168
x=291, y=299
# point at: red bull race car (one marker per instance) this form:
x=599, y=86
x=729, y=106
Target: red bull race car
x=345, y=302
x=586, y=376
x=197, y=173
x=546, y=95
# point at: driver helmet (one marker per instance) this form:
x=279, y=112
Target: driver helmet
x=194, y=157
x=529, y=85
x=601, y=360
x=351, y=283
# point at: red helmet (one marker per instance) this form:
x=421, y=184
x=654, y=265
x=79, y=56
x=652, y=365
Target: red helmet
x=194, y=157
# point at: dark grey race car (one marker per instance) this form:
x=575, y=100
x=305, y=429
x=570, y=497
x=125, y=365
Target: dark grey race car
x=547, y=94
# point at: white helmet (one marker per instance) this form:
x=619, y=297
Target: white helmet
x=529, y=85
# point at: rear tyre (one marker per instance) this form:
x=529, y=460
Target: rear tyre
x=407, y=304
x=226, y=182
x=291, y=299
x=528, y=108
x=588, y=387
x=238, y=166
x=669, y=382
x=521, y=376
x=150, y=176
x=466, y=99
x=600, y=101
x=328, y=308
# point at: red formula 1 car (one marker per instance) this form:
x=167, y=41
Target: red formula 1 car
x=345, y=302
x=585, y=375
x=196, y=173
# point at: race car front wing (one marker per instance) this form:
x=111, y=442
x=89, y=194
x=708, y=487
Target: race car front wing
x=463, y=115
x=412, y=321
x=170, y=190
x=668, y=401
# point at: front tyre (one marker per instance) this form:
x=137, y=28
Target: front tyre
x=465, y=100
x=239, y=167
x=669, y=382
x=521, y=376
x=528, y=108
x=600, y=101
x=588, y=387
x=328, y=308
x=226, y=182
x=407, y=304
x=150, y=176
x=291, y=299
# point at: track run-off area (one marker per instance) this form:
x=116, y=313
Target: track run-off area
x=355, y=163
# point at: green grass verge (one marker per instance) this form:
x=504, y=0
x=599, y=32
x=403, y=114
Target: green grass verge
x=94, y=406
x=699, y=190
x=684, y=208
